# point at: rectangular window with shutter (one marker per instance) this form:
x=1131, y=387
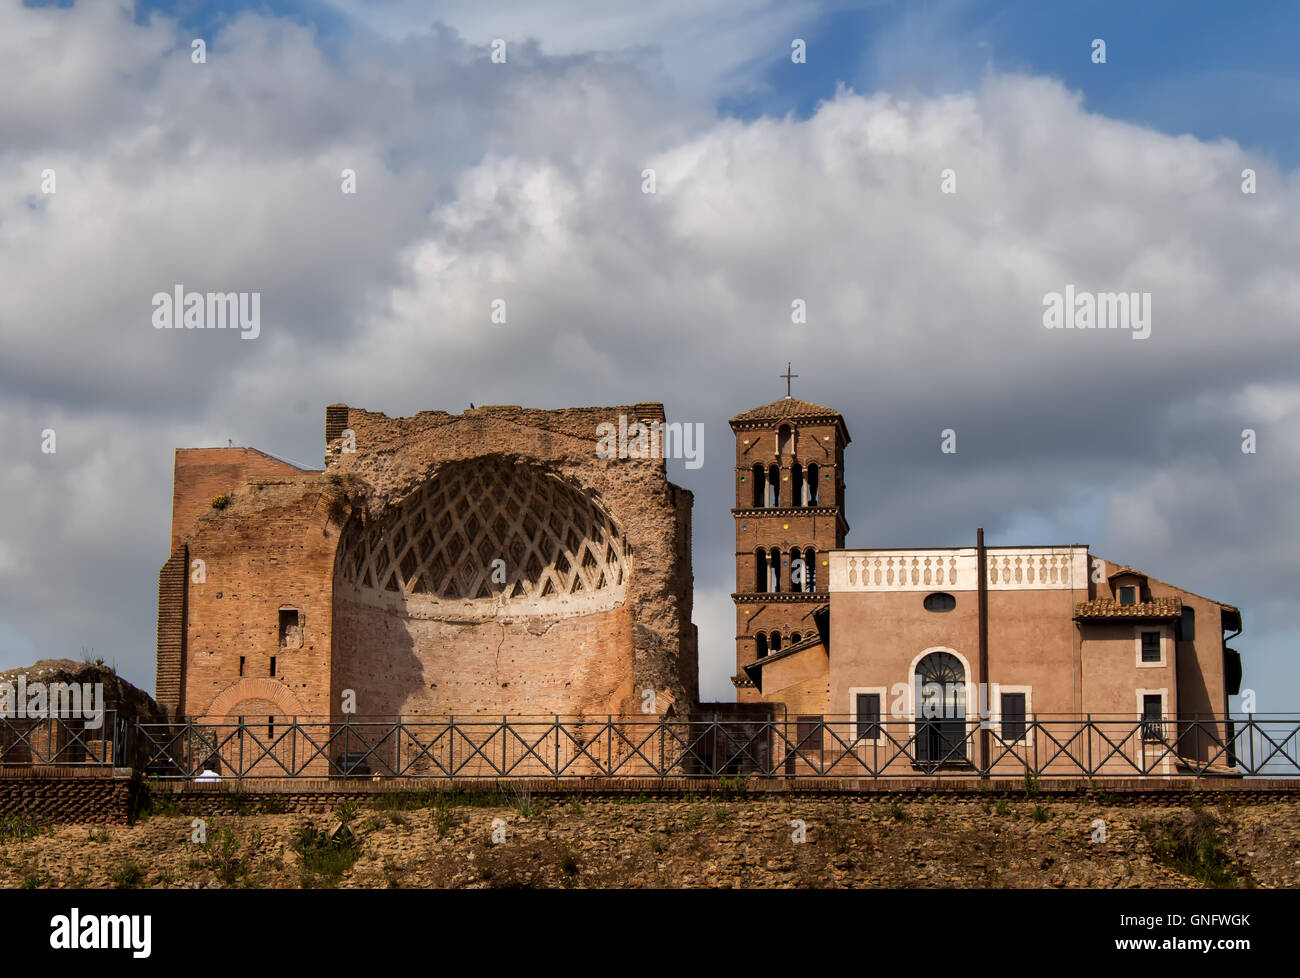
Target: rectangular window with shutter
x=809, y=733
x=1153, y=708
x=1150, y=646
x=868, y=716
x=1013, y=717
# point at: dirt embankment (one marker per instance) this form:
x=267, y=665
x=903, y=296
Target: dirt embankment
x=746, y=842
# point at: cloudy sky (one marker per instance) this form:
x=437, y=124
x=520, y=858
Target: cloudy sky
x=776, y=181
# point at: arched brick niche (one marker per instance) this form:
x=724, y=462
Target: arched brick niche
x=495, y=587
x=252, y=697
x=488, y=537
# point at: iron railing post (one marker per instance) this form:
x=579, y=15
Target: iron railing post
x=1036, y=771
x=1250, y=725
x=1088, y=732
x=662, y=733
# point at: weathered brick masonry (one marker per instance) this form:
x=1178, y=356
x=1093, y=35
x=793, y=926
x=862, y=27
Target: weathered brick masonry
x=69, y=794
x=482, y=563
x=322, y=796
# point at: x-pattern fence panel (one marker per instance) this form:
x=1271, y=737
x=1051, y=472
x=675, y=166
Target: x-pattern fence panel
x=102, y=741
x=650, y=747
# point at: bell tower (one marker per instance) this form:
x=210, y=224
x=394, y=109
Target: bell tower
x=789, y=512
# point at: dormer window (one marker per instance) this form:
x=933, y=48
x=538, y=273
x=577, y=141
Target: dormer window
x=1129, y=586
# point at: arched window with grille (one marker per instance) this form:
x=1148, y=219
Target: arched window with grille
x=940, y=687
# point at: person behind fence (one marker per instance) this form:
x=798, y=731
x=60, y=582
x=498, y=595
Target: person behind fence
x=211, y=770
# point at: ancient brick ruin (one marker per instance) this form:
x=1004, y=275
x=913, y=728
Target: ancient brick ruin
x=484, y=563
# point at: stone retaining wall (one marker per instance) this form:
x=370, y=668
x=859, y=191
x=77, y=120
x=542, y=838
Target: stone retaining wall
x=69, y=794
x=112, y=795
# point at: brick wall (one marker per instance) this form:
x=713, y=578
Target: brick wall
x=169, y=684
x=321, y=796
x=270, y=550
x=69, y=794
x=274, y=548
x=397, y=665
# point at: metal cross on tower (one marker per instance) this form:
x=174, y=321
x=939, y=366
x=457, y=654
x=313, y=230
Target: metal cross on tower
x=787, y=375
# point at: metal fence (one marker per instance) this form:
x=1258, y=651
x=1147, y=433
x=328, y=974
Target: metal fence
x=654, y=747
x=1258, y=745
x=67, y=742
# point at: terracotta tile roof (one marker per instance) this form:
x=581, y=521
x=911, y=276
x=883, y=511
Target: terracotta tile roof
x=1126, y=569
x=787, y=407
x=1110, y=608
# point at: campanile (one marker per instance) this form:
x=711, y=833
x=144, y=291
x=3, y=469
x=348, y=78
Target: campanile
x=789, y=512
